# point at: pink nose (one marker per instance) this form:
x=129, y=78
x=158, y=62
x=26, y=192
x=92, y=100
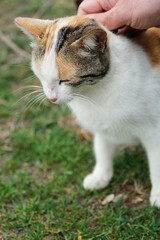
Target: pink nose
x=52, y=99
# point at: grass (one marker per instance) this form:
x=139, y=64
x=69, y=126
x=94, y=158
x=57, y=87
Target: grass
x=43, y=162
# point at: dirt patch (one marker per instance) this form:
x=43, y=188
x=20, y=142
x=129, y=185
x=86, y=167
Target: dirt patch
x=37, y=174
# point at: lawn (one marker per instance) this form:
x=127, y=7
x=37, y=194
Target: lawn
x=44, y=157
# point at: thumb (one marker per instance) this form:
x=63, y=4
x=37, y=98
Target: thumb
x=112, y=19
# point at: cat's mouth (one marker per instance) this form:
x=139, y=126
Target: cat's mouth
x=59, y=100
x=53, y=100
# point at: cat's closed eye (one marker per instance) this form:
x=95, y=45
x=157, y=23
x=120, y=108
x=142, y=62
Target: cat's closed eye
x=63, y=81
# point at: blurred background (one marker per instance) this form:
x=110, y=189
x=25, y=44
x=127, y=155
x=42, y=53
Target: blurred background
x=44, y=155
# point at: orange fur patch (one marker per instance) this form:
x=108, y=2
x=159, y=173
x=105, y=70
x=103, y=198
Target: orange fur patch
x=50, y=32
x=49, y=36
x=66, y=69
x=34, y=26
x=77, y=21
x=150, y=42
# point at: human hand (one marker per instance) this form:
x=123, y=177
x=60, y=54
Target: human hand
x=113, y=14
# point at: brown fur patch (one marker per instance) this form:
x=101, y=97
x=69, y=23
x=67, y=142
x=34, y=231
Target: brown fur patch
x=150, y=42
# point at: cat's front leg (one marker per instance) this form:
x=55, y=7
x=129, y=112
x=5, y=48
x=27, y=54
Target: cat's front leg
x=103, y=170
x=153, y=151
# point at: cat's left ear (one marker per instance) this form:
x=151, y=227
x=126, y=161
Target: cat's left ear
x=32, y=27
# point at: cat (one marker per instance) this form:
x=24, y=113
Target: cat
x=110, y=83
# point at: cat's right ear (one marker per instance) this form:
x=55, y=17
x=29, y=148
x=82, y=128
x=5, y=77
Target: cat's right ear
x=95, y=38
x=32, y=27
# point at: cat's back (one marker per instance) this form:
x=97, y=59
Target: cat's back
x=150, y=42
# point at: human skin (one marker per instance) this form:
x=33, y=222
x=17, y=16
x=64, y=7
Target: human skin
x=113, y=14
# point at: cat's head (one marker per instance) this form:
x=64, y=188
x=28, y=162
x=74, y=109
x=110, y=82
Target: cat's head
x=69, y=54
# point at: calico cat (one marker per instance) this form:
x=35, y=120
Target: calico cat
x=111, y=84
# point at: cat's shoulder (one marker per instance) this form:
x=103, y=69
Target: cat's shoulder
x=150, y=42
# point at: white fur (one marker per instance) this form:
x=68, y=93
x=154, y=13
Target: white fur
x=123, y=108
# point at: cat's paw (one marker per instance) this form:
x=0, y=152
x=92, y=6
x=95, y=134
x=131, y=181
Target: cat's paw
x=155, y=200
x=93, y=181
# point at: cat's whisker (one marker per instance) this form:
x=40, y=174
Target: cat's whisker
x=28, y=87
x=27, y=78
x=28, y=93
x=27, y=96
x=84, y=98
x=34, y=101
x=42, y=101
x=35, y=98
x=90, y=100
x=25, y=65
x=30, y=78
x=27, y=90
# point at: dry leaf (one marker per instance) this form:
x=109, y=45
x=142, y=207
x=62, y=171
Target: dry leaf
x=138, y=188
x=83, y=135
x=117, y=197
x=108, y=199
x=99, y=201
x=124, y=182
x=137, y=200
x=125, y=197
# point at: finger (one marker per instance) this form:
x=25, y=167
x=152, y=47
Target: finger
x=89, y=6
x=107, y=4
x=116, y=18
x=112, y=19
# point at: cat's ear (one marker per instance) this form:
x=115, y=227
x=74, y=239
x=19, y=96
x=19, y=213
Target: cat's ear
x=32, y=27
x=94, y=39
